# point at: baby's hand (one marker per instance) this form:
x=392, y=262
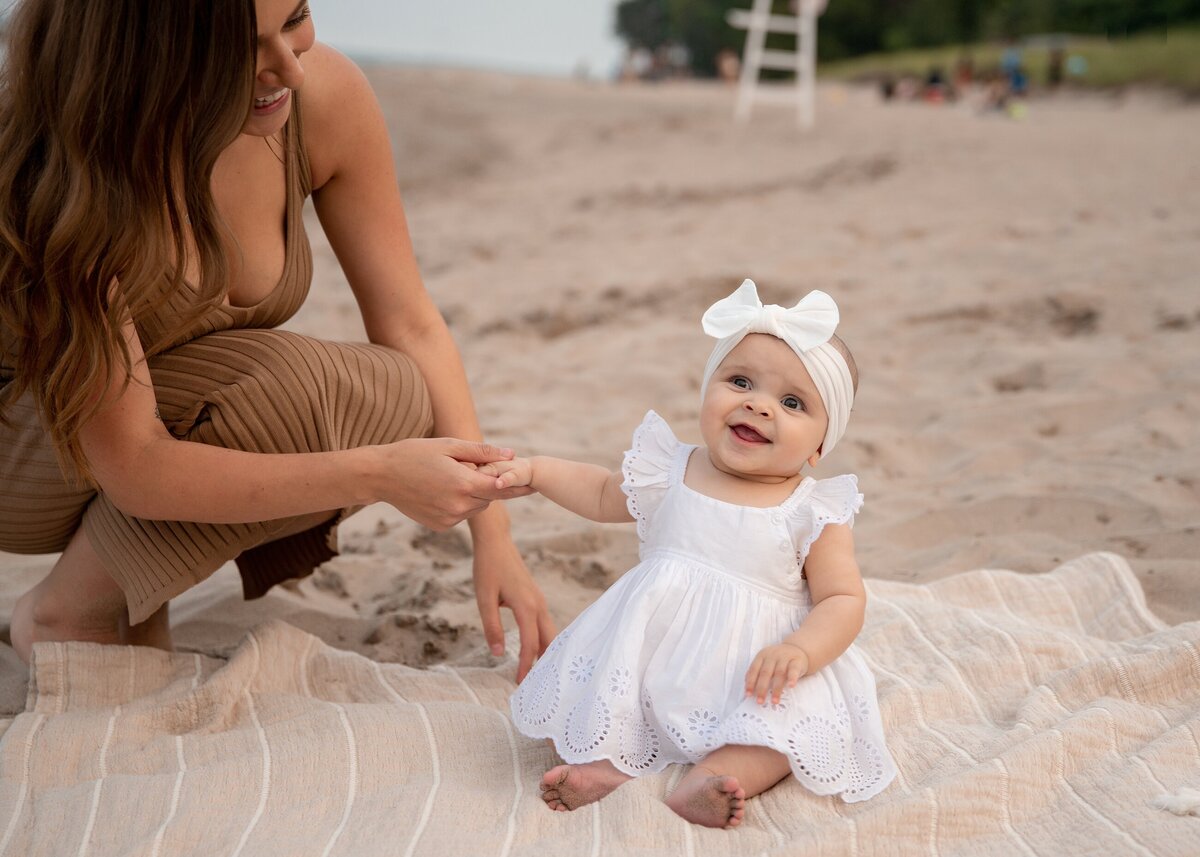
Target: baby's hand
x=516, y=473
x=774, y=669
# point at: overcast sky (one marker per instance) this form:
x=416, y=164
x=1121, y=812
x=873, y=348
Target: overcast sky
x=543, y=36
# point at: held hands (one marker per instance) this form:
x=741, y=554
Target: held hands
x=425, y=479
x=513, y=473
x=501, y=576
x=438, y=482
x=775, y=669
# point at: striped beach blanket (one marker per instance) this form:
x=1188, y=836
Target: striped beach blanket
x=1028, y=714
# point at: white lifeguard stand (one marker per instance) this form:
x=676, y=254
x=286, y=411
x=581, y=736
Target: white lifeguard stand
x=757, y=22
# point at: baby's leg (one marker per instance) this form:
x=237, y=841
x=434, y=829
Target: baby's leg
x=714, y=792
x=568, y=787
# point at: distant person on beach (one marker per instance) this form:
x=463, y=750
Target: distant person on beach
x=1055, y=62
x=964, y=73
x=936, y=90
x=1011, y=64
x=729, y=646
x=154, y=163
x=729, y=65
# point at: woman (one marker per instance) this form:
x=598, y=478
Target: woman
x=154, y=159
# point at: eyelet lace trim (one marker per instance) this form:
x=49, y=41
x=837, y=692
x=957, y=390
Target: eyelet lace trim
x=827, y=751
x=647, y=468
x=834, y=501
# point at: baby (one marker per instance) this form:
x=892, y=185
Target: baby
x=729, y=645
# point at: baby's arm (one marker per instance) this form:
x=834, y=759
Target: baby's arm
x=839, y=605
x=585, y=489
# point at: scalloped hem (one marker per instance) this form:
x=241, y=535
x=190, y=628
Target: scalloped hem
x=572, y=758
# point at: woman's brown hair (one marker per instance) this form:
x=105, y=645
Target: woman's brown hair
x=112, y=115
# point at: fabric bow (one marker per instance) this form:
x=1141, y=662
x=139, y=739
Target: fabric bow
x=808, y=324
x=806, y=328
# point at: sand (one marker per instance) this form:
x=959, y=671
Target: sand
x=1022, y=298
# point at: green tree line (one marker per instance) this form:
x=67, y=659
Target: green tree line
x=851, y=28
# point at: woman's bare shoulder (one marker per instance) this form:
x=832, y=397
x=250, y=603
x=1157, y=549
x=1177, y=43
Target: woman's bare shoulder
x=339, y=107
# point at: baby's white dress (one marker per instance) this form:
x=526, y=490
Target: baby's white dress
x=653, y=672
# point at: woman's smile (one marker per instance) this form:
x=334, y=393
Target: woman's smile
x=268, y=104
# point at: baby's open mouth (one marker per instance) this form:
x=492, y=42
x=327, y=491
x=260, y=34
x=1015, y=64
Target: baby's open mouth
x=748, y=434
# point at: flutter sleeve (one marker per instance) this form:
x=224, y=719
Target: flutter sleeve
x=647, y=468
x=832, y=501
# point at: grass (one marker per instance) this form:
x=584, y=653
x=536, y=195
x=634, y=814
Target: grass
x=1170, y=59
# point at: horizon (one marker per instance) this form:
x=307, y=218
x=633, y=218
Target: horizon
x=537, y=37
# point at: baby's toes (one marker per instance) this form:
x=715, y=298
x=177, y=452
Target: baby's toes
x=555, y=777
x=731, y=787
x=737, y=811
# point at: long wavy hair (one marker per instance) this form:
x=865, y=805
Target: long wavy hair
x=112, y=115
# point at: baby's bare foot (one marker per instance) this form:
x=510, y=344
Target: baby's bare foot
x=710, y=801
x=568, y=787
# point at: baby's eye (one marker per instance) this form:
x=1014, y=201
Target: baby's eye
x=792, y=403
x=739, y=381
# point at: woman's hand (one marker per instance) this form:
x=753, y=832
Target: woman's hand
x=356, y=199
x=502, y=580
x=425, y=479
x=774, y=669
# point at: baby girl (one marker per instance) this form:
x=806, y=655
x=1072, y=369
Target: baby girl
x=729, y=646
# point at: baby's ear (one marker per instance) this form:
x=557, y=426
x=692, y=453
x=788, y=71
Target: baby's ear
x=814, y=458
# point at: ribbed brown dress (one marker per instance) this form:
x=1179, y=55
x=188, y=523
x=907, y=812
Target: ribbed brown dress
x=229, y=381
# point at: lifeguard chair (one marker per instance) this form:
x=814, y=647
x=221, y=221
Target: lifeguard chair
x=757, y=22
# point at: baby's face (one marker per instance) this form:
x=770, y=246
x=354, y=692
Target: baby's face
x=762, y=417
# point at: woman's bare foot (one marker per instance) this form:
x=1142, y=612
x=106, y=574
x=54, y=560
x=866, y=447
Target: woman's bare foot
x=713, y=801
x=568, y=787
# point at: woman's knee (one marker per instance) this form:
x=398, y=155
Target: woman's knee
x=284, y=392
x=405, y=394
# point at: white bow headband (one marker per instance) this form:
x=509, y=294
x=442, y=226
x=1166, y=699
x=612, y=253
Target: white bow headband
x=806, y=327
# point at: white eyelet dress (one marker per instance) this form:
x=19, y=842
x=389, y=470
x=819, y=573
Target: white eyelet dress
x=653, y=673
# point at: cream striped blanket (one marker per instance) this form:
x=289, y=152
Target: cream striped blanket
x=1029, y=715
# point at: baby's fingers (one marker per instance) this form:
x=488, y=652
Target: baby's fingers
x=778, y=683
x=511, y=479
x=795, y=672
x=752, y=674
x=762, y=687
x=781, y=680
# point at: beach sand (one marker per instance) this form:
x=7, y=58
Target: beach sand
x=1022, y=299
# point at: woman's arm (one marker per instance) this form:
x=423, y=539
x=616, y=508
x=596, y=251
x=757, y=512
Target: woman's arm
x=147, y=473
x=360, y=209
x=839, y=606
x=359, y=205
x=588, y=490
